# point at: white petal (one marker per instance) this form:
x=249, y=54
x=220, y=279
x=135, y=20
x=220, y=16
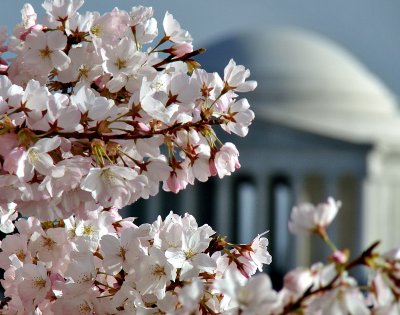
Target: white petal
x=56, y=40
x=45, y=164
x=60, y=60
x=47, y=144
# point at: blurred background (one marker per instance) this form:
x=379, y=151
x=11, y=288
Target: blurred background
x=327, y=120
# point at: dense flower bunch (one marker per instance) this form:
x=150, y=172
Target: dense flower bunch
x=93, y=113
x=108, y=265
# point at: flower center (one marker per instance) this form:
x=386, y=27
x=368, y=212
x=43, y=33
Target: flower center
x=84, y=308
x=109, y=176
x=48, y=243
x=84, y=278
x=84, y=71
x=120, y=63
x=158, y=85
x=20, y=254
x=45, y=53
x=38, y=282
x=189, y=254
x=96, y=30
x=33, y=156
x=122, y=253
x=158, y=271
x=71, y=234
x=88, y=230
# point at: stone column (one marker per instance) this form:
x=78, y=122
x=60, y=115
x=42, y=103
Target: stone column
x=381, y=202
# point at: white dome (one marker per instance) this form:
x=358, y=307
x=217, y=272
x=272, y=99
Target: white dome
x=304, y=66
x=309, y=82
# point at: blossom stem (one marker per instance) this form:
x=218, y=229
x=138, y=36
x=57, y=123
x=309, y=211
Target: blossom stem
x=321, y=231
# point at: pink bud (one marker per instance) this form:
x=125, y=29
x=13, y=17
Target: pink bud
x=38, y=27
x=340, y=256
x=173, y=183
x=182, y=49
x=143, y=126
x=213, y=169
x=298, y=280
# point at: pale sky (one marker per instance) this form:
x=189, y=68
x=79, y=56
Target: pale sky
x=370, y=29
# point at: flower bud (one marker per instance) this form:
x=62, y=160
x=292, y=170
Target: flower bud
x=298, y=280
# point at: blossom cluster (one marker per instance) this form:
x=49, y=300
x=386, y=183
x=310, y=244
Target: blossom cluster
x=330, y=288
x=108, y=265
x=94, y=111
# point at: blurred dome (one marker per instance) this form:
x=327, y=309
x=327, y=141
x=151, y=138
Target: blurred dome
x=309, y=82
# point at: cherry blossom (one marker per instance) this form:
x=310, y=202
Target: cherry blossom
x=155, y=273
x=111, y=185
x=235, y=77
x=14, y=244
x=34, y=284
x=36, y=158
x=28, y=16
x=173, y=30
x=62, y=9
x=253, y=297
x=226, y=160
x=190, y=257
x=308, y=217
x=345, y=299
x=120, y=253
x=45, y=51
x=238, y=118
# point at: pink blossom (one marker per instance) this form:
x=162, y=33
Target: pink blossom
x=14, y=244
x=259, y=253
x=35, y=285
x=37, y=158
x=62, y=9
x=146, y=31
x=307, y=217
x=140, y=14
x=177, y=180
x=298, y=280
x=49, y=245
x=154, y=273
x=190, y=257
x=46, y=51
x=86, y=66
x=252, y=297
x=173, y=30
x=235, y=77
x=29, y=16
x=80, y=275
x=111, y=185
x=226, y=159
x=238, y=118
x=340, y=256
x=344, y=299
x=120, y=253
x=110, y=26
x=181, y=49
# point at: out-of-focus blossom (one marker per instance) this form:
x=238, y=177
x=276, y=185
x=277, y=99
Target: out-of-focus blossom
x=306, y=217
